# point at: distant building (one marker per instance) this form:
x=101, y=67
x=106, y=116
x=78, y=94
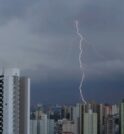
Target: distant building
x=58, y=128
x=108, y=119
x=100, y=118
x=67, y=112
x=115, y=109
x=122, y=117
x=24, y=106
x=14, y=102
x=110, y=125
x=33, y=127
x=68, y=127
x=50, y=126
x=90, y=123
x=78, y=118
x=41, y=124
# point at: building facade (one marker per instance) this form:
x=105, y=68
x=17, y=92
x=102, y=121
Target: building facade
x=90, y=123
x=15, y=102
x=68, y=127
x=122, y=117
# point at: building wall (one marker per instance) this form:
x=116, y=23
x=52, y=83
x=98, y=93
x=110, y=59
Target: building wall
x=42, y=126
x=10, y=108
x=68, y=127
x=76, y=118
x=90, y=123
x=122, y=118
x=15, y=102
x=24, y=106
x=1, y=103
x=33, y=126
x=50, y=126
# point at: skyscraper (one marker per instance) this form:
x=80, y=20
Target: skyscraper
x=122, y=117
x=15, y=102
x=100, y=113
x=24, y=107
x=43, y=125
x=33, y=126
x=50, y=126
x=90, y=123
x=77, y=112
x=68, y=127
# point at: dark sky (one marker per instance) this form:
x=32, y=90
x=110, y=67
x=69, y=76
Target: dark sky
x=39, y=37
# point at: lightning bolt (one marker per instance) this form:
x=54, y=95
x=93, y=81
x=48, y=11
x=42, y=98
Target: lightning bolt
x=80, y=61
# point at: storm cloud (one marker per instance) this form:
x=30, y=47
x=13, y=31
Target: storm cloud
x=39, y=37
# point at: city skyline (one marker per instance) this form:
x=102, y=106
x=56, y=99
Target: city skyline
x=90, y=118
x=39, y=37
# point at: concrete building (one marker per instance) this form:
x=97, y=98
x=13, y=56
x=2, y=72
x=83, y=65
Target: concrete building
x=122, y=117
x=68, y=127
x=38, y=125
x=110, y=125
x=77, y=118
x=90, y=123
x=42, y=125
x=24, y=108
x=15, y=102
x=115, y=109
x=33, y=126
x=100, y=118
x=50, y=126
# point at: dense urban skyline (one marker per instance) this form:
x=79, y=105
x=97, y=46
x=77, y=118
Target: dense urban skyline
x=90, y=118
x=39, y=36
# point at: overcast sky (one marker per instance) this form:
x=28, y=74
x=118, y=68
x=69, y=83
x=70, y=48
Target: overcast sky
x=39, y=37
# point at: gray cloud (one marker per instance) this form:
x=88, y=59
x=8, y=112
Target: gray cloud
x=40, y=38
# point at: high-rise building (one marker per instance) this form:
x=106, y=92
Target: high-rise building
x=50, y=126
x=110, y=125
x=33, y=126
x=90, y=123
x=15, y=102
x=24, y=106
x=77, y=112
x=42, y=125
x=100, y=118
x=122, y=117
x=68, y=127
x=39, y=126
x=78, y=116
x=115, y=109
x=67, y=112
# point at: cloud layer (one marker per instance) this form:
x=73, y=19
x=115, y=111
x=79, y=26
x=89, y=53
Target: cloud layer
x=40, y=38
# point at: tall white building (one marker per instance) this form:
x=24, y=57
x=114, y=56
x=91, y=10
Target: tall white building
x=77, y=118
x=15, y=102
x=68, y=127
x=42, y=125
x=122, y=117
x=90, y=123
x=33, y=126
x=50, y=126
